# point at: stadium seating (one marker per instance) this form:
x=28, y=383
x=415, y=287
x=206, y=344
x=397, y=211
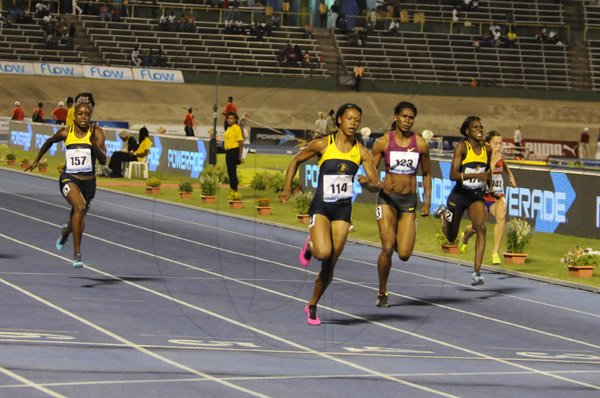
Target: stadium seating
x=207, y=50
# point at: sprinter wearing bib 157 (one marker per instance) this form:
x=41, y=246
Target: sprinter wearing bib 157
x=84, y=144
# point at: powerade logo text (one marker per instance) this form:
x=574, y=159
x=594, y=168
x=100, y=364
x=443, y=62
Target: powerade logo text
x=187, y=160
x=113, y=146
x=155, y=154
x=21, y=138
x=39, y=141
x=548, y=208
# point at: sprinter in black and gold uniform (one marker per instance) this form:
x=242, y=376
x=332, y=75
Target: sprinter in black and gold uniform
x=340, y=156
x=84, y=144
x=470, y=169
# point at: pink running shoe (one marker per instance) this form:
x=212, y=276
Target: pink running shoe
x=304, y=256
x=311, y=315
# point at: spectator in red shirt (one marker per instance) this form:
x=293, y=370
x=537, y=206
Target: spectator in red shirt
x=60, y=113
x=230, y=107
x=189, y=122
x=18, y=113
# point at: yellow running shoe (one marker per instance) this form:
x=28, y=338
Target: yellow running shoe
x=461, y=244
x=496, y=259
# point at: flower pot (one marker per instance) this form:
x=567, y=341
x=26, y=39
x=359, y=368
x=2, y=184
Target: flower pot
x=185, y=195
x=43, y=169
x=263, y=210
x=514, y=258
x=208, y=199
x=11, y=162
x=448, y=248
x=581, y=271
x=236, y=204
x=303, y=218
x=153, y=190
x=24, y=165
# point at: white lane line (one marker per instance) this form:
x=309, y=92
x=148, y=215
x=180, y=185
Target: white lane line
x=297, y=269
x=289, y=297
x=370, y=264
x=29, y=384
x=215, y=315
x=128, y=343
x=292, y=377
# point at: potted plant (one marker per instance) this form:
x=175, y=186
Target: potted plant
x=11, y=159
x=43, y=166
x=235, y=199
x=263, y=206
x=153, y=185
x=25, y=163
x=185, y=189
x=302, y=202
x=518, y=234
x=260, y=180
x=209, y=183
x=447, y=246
x=581, y=262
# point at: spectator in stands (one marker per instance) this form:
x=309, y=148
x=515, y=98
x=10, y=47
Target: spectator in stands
x=41, y=10
x=474, y=83
x=71, y=37
x=497, y=35
x=172, y=22
x=38, y=113
x=297, y=55
x=554, y=38
x=159, y=60
x=584, y=144
x=230, y=107
x=358, y=74
x=104, y=12
x=60, y=113
x=540, y=34
x=393, y=28
x=135, y=56
x=285, y=10
x=511, y=38
x=332, y=17
x=149, y=59
x=598, y=147
x=275, y=21
x=308, y=31
x=188, y=122
x=323, y=14
x=75, y=8
x=487, y=40
x=163, y=23
x=342, y=23
x=18, y=113
x=467, y=5
x=320, y=126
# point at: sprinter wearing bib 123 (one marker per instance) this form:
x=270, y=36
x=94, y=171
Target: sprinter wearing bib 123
x=84, y=144
x=340, y=156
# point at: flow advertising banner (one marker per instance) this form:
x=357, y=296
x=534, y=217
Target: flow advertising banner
x=552, y=200
x=179, y=155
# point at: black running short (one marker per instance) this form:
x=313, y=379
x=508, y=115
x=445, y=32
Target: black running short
x=340, y=210
x=87, y=187
x=403, y=203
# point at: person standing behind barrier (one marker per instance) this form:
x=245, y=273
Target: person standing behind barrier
x=70, y=112
x=470, y=169
x=340, y=157
x=358, y=74
x=18, y=113
x=494, y=198
x=331, y=123
x=60, y=113
x=584, y=144
x=228, y=108
x=188, y=122
x=320, y=126
x=518, y=140
x=402, y=151
x=38, y=113
x=233, y=142
x=84, y=144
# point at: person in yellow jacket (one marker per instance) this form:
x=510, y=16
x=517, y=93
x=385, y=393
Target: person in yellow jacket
x=358, y=74
x=233, y=142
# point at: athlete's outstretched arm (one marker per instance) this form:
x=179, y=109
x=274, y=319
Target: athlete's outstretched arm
x=314, y=148
x=60, y=135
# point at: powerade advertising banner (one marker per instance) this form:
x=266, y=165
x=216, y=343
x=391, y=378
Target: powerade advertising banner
x=184, y=156
x=552, y=200
x=285, y=137
x=92, y=72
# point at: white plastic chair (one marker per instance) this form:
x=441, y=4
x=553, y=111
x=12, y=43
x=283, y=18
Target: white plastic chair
x=136, y=169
